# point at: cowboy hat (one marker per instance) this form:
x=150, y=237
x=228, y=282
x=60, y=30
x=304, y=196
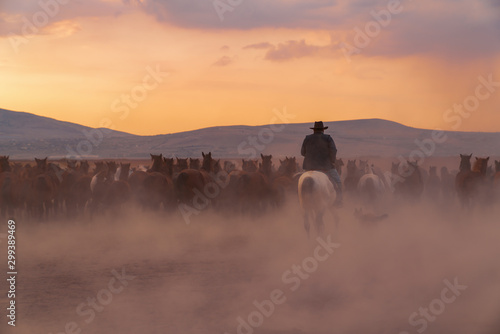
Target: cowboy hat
x=319, y=126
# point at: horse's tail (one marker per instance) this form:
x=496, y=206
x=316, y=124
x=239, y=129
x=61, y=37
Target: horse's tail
x=307, y=192
x=307, y=186
x=370, y=186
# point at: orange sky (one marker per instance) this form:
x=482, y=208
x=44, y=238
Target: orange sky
x=78, y=61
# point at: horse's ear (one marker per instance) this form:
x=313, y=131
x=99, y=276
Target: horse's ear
x=488, y=158
x=202, y=154
x=470, y=156
x=161, y=155
x=262, y=156
x=477, y=158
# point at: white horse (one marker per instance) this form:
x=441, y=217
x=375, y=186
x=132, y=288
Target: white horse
x=316, y=194
x=371, y=186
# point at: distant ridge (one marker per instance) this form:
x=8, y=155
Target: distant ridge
x=24, y=136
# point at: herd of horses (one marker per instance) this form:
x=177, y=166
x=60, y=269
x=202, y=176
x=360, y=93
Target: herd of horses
x=43, y=189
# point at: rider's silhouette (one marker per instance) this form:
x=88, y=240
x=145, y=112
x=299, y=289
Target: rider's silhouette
x=320, y=153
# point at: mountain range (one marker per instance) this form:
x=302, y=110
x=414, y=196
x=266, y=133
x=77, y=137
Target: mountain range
x=25, y=136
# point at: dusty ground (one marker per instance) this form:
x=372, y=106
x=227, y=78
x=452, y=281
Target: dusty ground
x=206, y=276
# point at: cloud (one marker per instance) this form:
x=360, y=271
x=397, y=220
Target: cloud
x=31, y=17
x=460, y=33
x=292, y=50
x=450, y=29
x=223, y=61
x=220, y=14
x=259, y=46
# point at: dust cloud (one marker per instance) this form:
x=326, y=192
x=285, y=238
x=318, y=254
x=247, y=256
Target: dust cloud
x=425, y=268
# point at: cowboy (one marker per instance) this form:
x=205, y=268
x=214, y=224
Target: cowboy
x=320, y=153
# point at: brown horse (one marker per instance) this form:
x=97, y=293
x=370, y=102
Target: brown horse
x=181, y=164
x=43, y=190
x=433, y=184
x=352, y=178
x=409, y=183
x=249, y=165
x=194, y=163
x=497, y=171
x=157, y=163
x=9, y=188
x=190, y=184
x=229, y=166
x=266, y=166
x=339, y=163
x=285, y=181
x=471, y=182
x=447, y=185
x=496, y=180
x=80, y=191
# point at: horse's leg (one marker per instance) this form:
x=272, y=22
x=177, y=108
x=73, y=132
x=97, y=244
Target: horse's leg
x=336, y=220
x=307, y=225
x=320, y=225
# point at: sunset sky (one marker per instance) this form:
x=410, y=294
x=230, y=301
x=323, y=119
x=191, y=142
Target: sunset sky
x=162, y=66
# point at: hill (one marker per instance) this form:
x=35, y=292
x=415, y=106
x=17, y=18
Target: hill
x=24, y=136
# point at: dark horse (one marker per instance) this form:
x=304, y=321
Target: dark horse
x=408, y=183
x=470, y=183
x=191, y=182
x=8, y=186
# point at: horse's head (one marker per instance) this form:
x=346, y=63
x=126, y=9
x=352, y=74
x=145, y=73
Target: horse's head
x=481, y=165
x=292, y=166
x=71, y=164
x=41, y=164
x=111, y=166
x=351, y=166
x=84, y=166
x=157, y=161
x=229, y=166
x=216, y=167
x=168, y=164
x=181, y=164
x=207, y=161
x=267, y=163
x=249, y=165
x=465, y=162
x=4, y=163
x=194, y=163
x=125, y=166
x=99, y=166
x=363, y=164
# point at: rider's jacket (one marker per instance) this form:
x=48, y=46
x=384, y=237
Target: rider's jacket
x=319, y=152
